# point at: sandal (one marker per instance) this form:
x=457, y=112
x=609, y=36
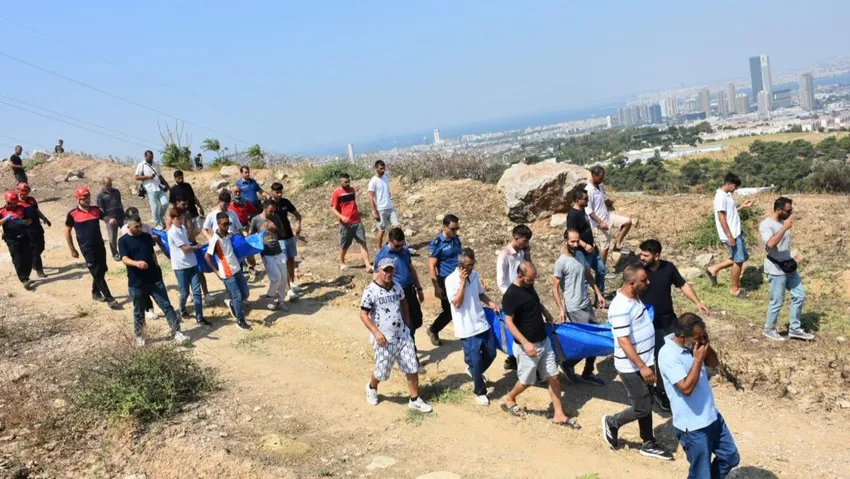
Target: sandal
x=742, y=294
x=713, y=278
x=571, y=423
x=515, y=410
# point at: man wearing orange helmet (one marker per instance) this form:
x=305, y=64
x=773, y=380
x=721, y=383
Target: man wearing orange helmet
x=36, y=231
x=84, y=220
x=16, y=234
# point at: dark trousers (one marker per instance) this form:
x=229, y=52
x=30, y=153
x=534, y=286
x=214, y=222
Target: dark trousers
x=640, y=397
x=20, y=250
x=112, y=235
x=714, y=439
x=588, y=364
x=445, y=316
x=659, y=341
x=479, y=351
x=37, y=242
x=160, y=295
x=415, y=310
x=96, y=263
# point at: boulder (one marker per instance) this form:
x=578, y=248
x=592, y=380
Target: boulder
x=217, y=185
x=413, y=199
x=40, y=156
x=60, y=178
x=280, y=175
x=73, y=178
x=558, y=220
x=229, y=170
x=531, y=191
x=77, y=173
x=691, y=273
x=704, y=260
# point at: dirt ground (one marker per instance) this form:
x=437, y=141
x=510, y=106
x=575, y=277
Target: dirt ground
x=292, y=403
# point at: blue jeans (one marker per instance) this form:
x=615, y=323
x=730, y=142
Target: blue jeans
x=479, y=351
x=778, y=285
x=738, y=253
x=186, y=278
x=160, y=295
x=156, y=198
x=594, y=261
x=699, y=446
x=237, y=291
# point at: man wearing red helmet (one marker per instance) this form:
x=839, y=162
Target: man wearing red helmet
x=36, y=231
x=16, y=235
x=84, y=221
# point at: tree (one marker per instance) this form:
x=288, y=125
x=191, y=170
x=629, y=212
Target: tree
x=256, y=157
x=211, y=144
x=176, y=149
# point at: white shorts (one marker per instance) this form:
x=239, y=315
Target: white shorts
x=602, y=238
x=402, y=352
x=544, y=361
x=387, y=218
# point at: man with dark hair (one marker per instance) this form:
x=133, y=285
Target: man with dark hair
x=60, y=147
x=109, y=201
x=344, y=207
x=84, y=221
x=36, y=231
x=698, y=425
x=199, y=162
x=228, y=268
x=185, y=265
x=603, y=221
x=16, y=233
x=442, y=261
x=781, y=270
x=211, y=223
x=578, y=220
x=155, y=187
x=289, y=235
x=273, y=256
x=728, y=224
x=662, y=276
x=405, y=275
x=245, y=211
x=181, y=189
x=17, y=165
x=251, y=189
x=381, y=201
x=634, y=357
x=517, y=251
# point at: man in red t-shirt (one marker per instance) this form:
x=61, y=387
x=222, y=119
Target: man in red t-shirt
x=344, y=207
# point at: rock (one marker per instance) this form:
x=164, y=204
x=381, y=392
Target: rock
x=409, y=233
x=222, y=434
x=381, y=462
x=9, y=438
x=40, y=156
x=140, y=475
x=558, y=220
x=704, y=260
x=280, y=176
x=439, y=475
x=532, y=190
x=408, y=215
x=274, y=444
x=413, y=199
x=841, y=339
x=59, y=403
x=439, y=217
x=60, y=178
x=844, y=404
x=73, y=178
x=257, y=408
x=690, y=273
x=790, y=390
x=230, y=170
x=217, y=185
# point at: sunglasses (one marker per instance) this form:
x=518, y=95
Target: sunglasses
x=227, y=223
x=455, y=229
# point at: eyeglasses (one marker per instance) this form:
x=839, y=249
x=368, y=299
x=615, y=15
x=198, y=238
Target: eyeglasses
x=228, y=223
x=455, y=229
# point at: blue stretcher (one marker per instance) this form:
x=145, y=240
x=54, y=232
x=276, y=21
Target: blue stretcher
x=242, y=247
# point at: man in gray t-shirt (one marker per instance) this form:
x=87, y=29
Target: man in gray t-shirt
x=775, y=232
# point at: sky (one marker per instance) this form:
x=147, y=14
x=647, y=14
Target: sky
x=298, y=77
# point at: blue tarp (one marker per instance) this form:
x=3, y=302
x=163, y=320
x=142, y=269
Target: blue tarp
x=577, y=341
x=242, y=247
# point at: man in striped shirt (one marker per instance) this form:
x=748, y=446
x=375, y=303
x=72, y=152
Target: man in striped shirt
x=634, y=347
x=228, y=268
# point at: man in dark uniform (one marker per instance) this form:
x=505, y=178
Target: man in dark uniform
x=84, y=220
x=16, y=235
x=36, y=231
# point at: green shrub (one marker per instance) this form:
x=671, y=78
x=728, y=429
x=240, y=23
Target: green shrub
x=219, y=162
x=329, y=172
x=143, y=385
x=35, y=161
x=451, y=167
x=704, y=233
x=179, y=157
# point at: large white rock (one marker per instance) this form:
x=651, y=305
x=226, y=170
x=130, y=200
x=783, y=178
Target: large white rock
x=381, y=462
x=704, y=259
x=217, y=185
x=558, y=220
x=229, y=170
x=534, y=190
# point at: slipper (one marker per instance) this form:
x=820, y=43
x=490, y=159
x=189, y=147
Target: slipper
x=742, y=294
x=515, y=410
x=343, y=267
x=711, y=277
x=571, y=423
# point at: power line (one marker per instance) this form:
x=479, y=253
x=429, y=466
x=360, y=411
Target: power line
x=23, y=142
x=118, y=97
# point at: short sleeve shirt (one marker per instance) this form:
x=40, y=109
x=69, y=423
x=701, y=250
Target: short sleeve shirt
x=578, y=220
x=723, y=202
x=177, y=237
x=222, y=250
x=250, y=189
x=86, y=225
x=630, y=318
x=145, y=169
x=693, y=412
x=284, y=208
x=244, y=211
x=271, y=240
x=139, y=248
x=403, y=264
x=343, y=200
x=523, y=304
x=469, y=319
x=184, y=190
x=781, y=252
x=506, y=263
x=596, y=204
x=212, y=224
x=659, y=292
x=384, y=307
x=570, y=272
x=381, y=187
x=446, y=251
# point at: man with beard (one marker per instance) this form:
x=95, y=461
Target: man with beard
x=155, y=186
x=404, y=275
x=109, y=201
x=84, y=220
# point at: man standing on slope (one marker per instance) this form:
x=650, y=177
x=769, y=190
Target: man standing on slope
x=578, y=220
x=443, y=252
x=154, y=186
x=383, y=310
x=466, y=293
x=16, y=233
x=251, y=189
x=728, y=224
x=662, y=276
x=633, y=359
x=228, y=269
x=517, y=251
x=381, y=201
x=405, y=275
x=36, y=231
x=344, y=207
x=288, y=236
x=84, y=221
x=17, y=165
x=781, y=270
x=109, y=201
x=603, y=221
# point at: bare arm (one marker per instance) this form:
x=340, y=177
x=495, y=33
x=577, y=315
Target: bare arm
x=630, y=351
x=457, y=300
x=338, y=214
x=70, y=241
x=556, y=293
x=689, y=292
x=208, y=259
x=373, y=203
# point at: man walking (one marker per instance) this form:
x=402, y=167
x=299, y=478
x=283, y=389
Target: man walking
x=155, y=186
x=193, y=229
x=634, y=343
x=109, y=201
x=381, y=201
x=572, y=275
x=781, y=270
x=17, y=165
x=578, y=220
x=84, y=221
x=405, y=276
x=144, y=279
x=662, y=276
x=181, y=189
x=16, y=233
x=524, y=315
x=603, y=221
x=199, y=162
x=245, y=211
x=443, y=252
x=211, y=222
x=466, y=293
x=344, y=207
x=517, y=251
x=383, y=310
x=284, y=209
x=185, y=266
x=728, y=223
x=228, y=269
x=698, y=425
x=251, y=189
x=33, y=213
x=274, y=258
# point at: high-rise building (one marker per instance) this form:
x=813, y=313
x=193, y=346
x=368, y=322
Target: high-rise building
x=742, y=104
x=437, y=139
x=780, y=99
x=767, y=83
x=722, y=104
x=655, y=114
x=807, y=92
x=755, y=75
x=644, y=113
x=670, y=107
x=764, y=104
x=730, y=96
x=350, y=152
x=705, y=101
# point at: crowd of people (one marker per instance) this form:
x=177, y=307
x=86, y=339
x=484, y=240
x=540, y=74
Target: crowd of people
x=659, y=356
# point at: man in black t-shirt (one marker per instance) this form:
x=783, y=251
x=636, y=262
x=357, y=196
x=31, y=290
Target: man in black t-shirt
x=184, y=190
x=577, y=220
x=524, y=315
x=284, y=209
x=17, y=165
x=662, y=276
x=85, y=221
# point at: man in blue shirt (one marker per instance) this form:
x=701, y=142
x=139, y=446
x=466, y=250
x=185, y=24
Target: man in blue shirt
x=443, y=254
x=405, y=275
x=700, y=429
x=251, y=190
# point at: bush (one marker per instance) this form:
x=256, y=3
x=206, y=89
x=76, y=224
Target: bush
x=704, y=234
x=179, y=157
x=320, y=175
x=143, y=385
x=35, y=161
x=452, y=167
x=219, y=162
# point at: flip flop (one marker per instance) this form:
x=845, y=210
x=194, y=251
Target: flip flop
x=571, y=423
x=711, y=277
x=515, y=410
x=742, y=294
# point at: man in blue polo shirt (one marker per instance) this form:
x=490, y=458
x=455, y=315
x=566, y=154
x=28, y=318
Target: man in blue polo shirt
x=251, y=190
x=700, y=429
x=405, y=275
x=443, y=254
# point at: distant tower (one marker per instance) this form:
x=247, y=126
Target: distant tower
x=730, y=96
x=350, y=152
x=764, y=104
x=705, y=101
x=742, y=104
x=437, y=139
x=722, y=104
x=755, y=75
x=807, y=92
x=767, y=83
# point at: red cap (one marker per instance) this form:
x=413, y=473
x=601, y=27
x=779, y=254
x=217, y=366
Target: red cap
x=23, y=186
x=11, y=197
x=82, y=192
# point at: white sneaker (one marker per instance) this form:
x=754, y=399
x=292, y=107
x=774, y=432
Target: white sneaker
x=418, y=405
x=151, y=314
x=140, y=342
x=371, y=396
x=469, y=373
x=291, y=294
x=295, y=287
x=180, y=337
x=482, y=400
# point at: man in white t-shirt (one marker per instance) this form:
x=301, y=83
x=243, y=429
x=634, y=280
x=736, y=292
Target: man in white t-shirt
x=211, y=222
x=383, y=310
x=507, y=261
x=634, y=346
x=381, y=201
x=601, y=219
x=185, y=266
x=466, y=293
x=155, y=188
x=728, y=224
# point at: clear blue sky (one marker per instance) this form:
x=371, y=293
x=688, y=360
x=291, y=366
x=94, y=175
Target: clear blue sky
x=296, y=76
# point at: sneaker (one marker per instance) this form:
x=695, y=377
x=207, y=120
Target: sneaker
x=295, y=287
x=434, y=337
x=800, y=334
x=272, y=305
x=482, y=400
x=204, y=322
x=592, y=379
x=469, y=373
x=371, y=396
x=291, y=294
x=243, y=326
x=185, y=314
x=151, y=314
x=41, y=274
x=510, y=363
x=772, y=335
x=140, y=342
x=609, y=433
x=112, y=303
x=662, y=401
x=571, y=376
x=97, y=297
x=180, y=337
x=651, y=449
x=229, y=305
x=28, y=284
x=419, y=405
